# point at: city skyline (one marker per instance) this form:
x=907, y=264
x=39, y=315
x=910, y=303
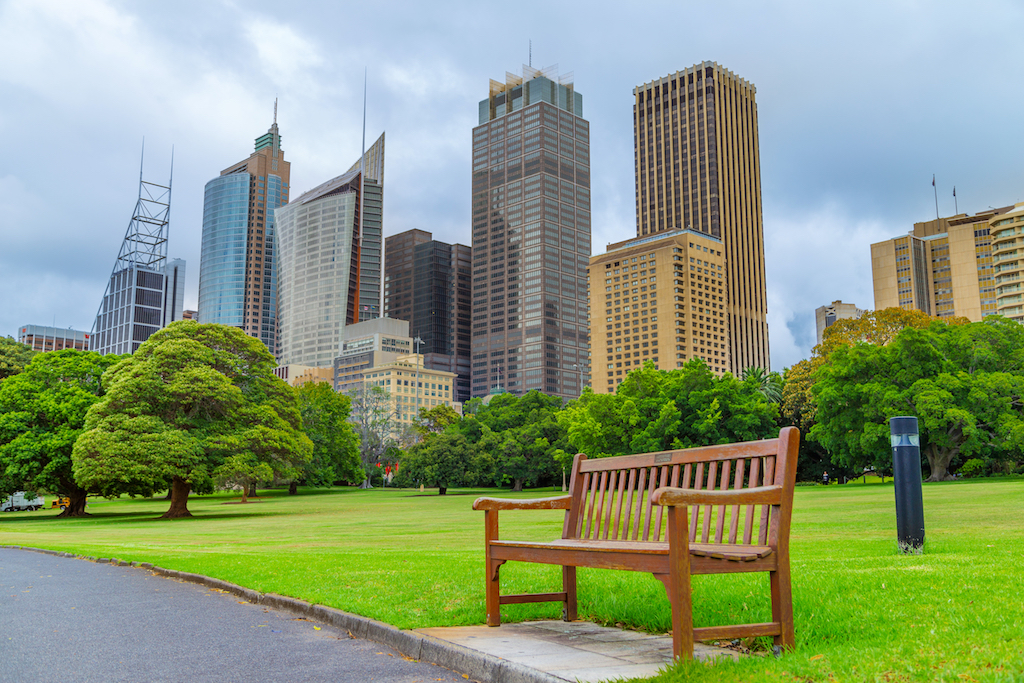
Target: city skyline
x=849, y=137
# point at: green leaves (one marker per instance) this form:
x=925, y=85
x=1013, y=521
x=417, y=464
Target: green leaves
x=657, y=410
x=963, y=382
x=189, y=400
x=14, y=356
x=42, y=413
x=335, y=443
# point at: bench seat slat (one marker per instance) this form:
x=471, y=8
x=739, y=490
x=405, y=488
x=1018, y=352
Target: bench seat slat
x=716, y=551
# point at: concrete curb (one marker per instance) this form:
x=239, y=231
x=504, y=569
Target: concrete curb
x=478, y=666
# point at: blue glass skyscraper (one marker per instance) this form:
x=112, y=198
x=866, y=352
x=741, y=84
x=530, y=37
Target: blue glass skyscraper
x=237, y=270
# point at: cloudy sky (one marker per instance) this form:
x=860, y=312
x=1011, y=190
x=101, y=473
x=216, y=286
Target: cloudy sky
x=859, y=104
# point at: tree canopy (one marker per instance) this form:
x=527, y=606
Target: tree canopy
x=964, y=383
x=14, y=356
x=441, y=460
x=191, y=397
x=325, y=415
x=656, y=410
x=521, y=436
x=42, y=413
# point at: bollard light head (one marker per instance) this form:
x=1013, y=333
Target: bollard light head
x=903, y=431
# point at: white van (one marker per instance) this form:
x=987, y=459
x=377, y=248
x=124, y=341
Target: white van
x=19, y=502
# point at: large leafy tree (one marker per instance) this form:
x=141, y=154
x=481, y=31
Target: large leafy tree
x=325, y=415
x=436, y=420
x=42, y=413
x=798, y=406
x=191, y=397
x=14, y=356
x=441, y=460
x=964, y=383
x=655, y=410
x=522, y=436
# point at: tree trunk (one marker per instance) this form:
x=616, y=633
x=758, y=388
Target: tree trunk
x=517, y=484
x=76, y=504
x=293, y=488
x=366, y=484
x=245, y=498
x=938, y=461
x=441, y=490
x=179, y=499
x=252, y=489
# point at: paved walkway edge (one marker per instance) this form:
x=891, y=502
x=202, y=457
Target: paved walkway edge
x=477, y=665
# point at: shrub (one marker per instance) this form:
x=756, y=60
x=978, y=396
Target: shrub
x=975, y=467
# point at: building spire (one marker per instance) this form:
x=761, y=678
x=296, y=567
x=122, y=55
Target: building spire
x=275, y=111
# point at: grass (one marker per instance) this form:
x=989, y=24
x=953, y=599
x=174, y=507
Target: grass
x=863, y=611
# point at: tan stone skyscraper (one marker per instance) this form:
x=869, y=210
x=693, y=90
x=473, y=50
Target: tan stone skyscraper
x=698, y=169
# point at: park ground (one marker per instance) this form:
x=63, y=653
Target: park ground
x=863, y=611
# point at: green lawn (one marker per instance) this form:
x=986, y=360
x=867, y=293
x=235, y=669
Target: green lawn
x=863, y=612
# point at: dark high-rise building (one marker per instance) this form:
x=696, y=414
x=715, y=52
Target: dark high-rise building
x=237, y=269
x=698, y=169
x=531, y=236
x=427, y=282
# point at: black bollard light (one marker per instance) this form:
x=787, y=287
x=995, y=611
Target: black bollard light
x=906, y=466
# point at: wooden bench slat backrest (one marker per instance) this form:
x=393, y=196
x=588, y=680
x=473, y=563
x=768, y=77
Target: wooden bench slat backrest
x=612, y=496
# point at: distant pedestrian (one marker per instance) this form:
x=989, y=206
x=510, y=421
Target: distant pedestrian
x=824, y=478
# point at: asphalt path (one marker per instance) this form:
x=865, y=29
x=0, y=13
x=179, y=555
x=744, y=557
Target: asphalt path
x=68, y=620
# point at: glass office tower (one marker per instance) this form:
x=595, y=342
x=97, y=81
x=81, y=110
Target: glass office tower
x=237, y=269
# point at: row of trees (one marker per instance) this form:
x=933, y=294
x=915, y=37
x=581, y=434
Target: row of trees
x=963, y=381
x=530, y=440
x=198, y=406
x=194, y=407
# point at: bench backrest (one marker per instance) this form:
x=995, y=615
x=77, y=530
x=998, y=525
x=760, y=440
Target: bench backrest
x=611, y=497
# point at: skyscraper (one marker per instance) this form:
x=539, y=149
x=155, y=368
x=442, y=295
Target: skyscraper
x=145, y=291
x=427, y=282
x=237, y=269
x=531, y=236
x=329, y=261
x=697, y=168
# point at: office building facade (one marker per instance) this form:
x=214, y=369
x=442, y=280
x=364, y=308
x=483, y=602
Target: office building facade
x=366, y=345
x=698, y=168
x=238, y=268
x=945, y=267
x=531, y=236
x=45, y=338
x=412, y=386
x=329, y=261
x=656, y=299
x=826, y=316
x=138, y=302
x=428, y=283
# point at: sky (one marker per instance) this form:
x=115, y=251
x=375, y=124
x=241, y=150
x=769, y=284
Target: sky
x=859, y=104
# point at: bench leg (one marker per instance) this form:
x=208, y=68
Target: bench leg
x=492, y=587
x=493, y=590
x=679, y=594
x=782, y=605
x=569, y=586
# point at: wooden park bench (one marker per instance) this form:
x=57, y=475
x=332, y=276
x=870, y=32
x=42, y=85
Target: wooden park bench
x=708, y=510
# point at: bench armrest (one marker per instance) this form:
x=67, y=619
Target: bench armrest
x=558, y=503
x=761, y=495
